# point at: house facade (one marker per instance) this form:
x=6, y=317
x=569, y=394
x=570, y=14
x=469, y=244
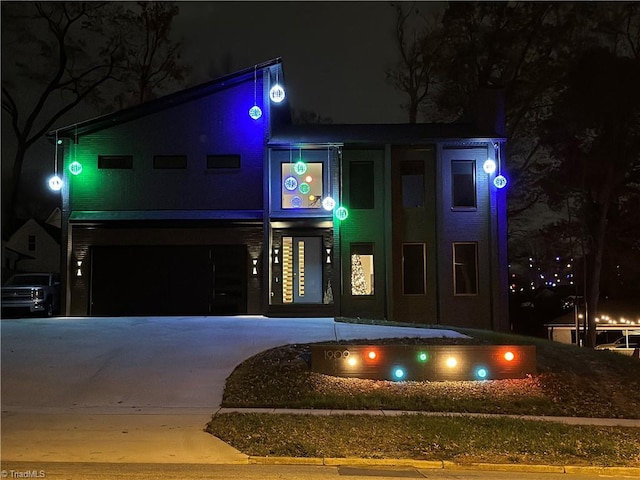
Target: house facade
x=199, y=204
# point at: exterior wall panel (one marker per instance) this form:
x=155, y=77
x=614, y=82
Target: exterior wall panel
x=364, y=226
x=465, y=225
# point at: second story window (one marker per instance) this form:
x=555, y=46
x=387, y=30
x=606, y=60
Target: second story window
x=463, y=183
x=32, y=243
x=412, y=172
x=361, y=186
x=301, y=185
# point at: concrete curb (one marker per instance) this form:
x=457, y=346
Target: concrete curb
x=446, y=465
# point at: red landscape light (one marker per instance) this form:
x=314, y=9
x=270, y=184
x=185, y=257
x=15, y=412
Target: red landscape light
x=372, y=355
x=509, y=356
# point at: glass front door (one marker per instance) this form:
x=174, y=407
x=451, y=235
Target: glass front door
x=302, y=270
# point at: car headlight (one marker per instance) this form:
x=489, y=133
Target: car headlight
x=37, y=293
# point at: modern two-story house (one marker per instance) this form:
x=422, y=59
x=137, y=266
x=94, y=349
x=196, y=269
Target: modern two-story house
x=210, y=201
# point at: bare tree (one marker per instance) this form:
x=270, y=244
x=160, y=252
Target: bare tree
x=85, y=52
x=418, y=47
x=65, y=75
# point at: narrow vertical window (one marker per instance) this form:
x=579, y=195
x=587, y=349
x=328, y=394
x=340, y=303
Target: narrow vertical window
x=412, y=172
x=463, y=183
x=414, y=269
x=32, y=243
x=362, y=269
x=361, y=186
x=287, y=270
x=465, y=268
x=301, y=268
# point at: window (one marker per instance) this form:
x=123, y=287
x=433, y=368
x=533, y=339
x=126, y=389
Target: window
x=463, y=183
x=412, y=172
x=413, y=268
x=223, y=161
x=362, y=269
x=361, y=188
x=115, y=162
x=301, y=185
x=169, y=161
x=32, y=243
x=465, y=268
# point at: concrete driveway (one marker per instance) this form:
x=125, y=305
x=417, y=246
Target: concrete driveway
x=138, y=389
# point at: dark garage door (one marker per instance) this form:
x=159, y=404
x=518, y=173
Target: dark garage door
x=168, y=280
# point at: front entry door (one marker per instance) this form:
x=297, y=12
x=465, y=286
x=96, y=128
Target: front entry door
x=302, y=269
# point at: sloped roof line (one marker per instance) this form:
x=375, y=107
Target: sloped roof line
x=166, y=101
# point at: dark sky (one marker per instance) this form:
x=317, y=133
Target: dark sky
x=334, y=53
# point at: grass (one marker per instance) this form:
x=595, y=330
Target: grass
x=571, y=381
x=458, y=439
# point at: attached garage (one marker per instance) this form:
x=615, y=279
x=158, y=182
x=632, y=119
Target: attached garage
x=165, y=268
x=168, y=280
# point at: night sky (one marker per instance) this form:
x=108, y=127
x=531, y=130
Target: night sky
x=334, y=53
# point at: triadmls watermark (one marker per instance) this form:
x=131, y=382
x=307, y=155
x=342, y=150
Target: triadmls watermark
x=23, y=474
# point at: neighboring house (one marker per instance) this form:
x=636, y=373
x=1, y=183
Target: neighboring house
x=34, y=247
x=187, y=205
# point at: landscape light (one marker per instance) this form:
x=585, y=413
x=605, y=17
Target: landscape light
x=423, y=357
x=352, y=361
x=509, y=356
x=398, y=373
x=372, y=355
x=481, y=373
x=452, y=362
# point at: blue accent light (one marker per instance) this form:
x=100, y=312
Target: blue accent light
x=500, y=181
x=255, y=112
x=482, y=373
x=398, y=373
x=290, y=183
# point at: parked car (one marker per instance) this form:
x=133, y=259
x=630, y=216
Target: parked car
x=633, y=342
x=33, y=293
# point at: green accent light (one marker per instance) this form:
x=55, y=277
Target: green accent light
x=75, y=168
x=304, y=188
x=342, y=213
x=423, y=357
x=300, y=167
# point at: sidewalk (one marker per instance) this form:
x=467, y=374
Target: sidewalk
x=601, y=422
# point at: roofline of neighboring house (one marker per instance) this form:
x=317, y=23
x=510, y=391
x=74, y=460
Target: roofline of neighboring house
x=161, y=103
